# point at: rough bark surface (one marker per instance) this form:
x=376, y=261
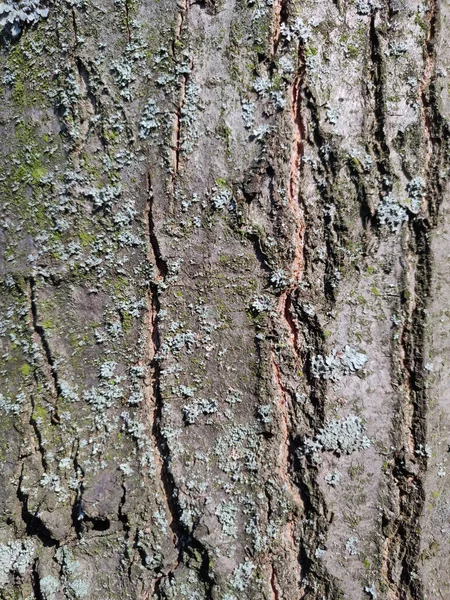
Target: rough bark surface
x=225, y=300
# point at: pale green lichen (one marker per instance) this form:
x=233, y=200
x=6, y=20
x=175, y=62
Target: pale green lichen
x=15, y=558
x=338, y=363
x=49, y=587
x=15, y=15
x=226, y=513
x=340, y=436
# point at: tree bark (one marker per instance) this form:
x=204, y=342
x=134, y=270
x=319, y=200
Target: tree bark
x=225, y=300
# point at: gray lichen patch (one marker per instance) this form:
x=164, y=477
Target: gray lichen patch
x=340, y=436
x=14, y=16
x=338, y=363
x=16, y=558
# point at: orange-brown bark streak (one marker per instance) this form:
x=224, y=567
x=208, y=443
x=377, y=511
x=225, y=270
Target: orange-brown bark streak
x=285, y=302
x=285, y=427
x=273, y=584
x=294, y=177
x=276, y=25
x=285, y=305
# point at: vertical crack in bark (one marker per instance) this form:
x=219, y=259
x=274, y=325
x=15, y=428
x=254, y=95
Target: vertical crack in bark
x=40, y=335
x=177, y=125
x=77, y=508
x=298, y=476
x=279, y=16
x=405, y=538
x=127, y=20
x=84, y=78
x=376, y=74
x=76, y=117
x=318, y=582
x=184, y=541
x=38, y=434
x=154, y=345
x=276, y=25
x=325, y=175
x=75, y=26
x=36, y=582
x=366, y=211
x=33, y=524
x=123, y=518
x=285, y=310
x=411, y=486
x=176, y=128
x=160, y=263
x=402, y=534
x=273, y=584
x=425, y=84
x=285, y=431
x=285, y=301
x=286, y=464
x=296, y=158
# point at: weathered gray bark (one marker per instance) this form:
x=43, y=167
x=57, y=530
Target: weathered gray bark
x=225, y=300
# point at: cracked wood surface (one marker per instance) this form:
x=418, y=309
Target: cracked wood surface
x=223, y=309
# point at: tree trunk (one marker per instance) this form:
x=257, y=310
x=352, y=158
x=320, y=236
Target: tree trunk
x=225, y=300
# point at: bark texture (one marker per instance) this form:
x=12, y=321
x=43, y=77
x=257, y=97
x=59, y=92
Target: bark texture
x=225, y=300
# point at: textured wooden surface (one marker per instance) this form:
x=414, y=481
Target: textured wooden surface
x=225, y=300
